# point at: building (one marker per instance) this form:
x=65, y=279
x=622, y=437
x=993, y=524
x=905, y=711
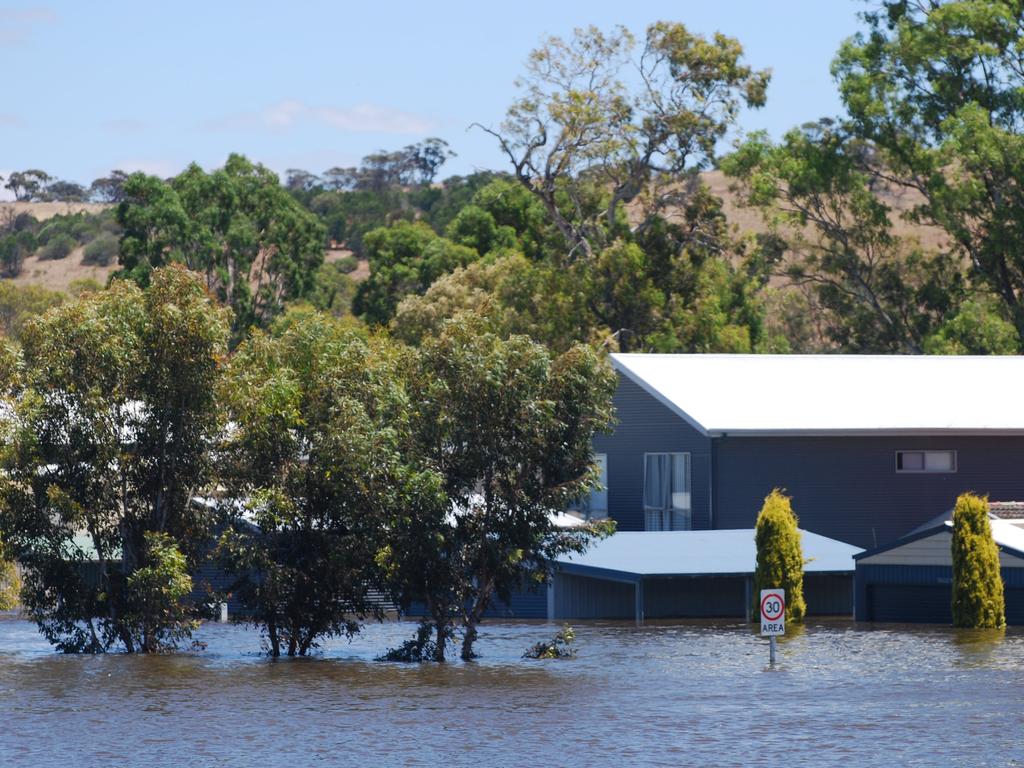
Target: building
x=910, y=579
x=868, y=446
x=689, y=574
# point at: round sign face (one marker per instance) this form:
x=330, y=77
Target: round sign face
x=773, y=606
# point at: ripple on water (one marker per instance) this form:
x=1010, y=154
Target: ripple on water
x=686, y=693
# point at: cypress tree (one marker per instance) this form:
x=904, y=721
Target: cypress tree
x=780, y=561
x=977, y=584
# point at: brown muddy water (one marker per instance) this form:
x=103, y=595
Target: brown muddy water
x=679, y=694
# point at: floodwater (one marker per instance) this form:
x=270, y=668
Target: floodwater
x=679, y=694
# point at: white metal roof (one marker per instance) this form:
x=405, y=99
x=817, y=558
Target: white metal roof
x=696, y=553
x=826, y=394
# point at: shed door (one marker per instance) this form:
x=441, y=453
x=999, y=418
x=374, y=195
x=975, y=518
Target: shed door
x=914, y=603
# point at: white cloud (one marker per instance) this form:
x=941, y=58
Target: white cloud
x=359, y=118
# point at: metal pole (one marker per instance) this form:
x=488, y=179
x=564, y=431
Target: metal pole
x=771, y=658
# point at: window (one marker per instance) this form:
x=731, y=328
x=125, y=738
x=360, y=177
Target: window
x=926, y=461
x=595, y=503
x=667, y=491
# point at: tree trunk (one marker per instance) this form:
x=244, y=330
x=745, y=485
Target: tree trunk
x=275, y=641
x=467, y=641
x=442, y=642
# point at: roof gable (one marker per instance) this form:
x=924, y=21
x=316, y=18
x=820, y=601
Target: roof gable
x=835, y=394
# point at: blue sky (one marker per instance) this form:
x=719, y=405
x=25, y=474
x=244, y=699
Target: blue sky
x=93, y=86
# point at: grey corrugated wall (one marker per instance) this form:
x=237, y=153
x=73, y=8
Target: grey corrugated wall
x=847, y=488
x=647, y=426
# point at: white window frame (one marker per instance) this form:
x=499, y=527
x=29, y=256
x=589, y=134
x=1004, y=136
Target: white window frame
x=924, y=462
x=686, y=514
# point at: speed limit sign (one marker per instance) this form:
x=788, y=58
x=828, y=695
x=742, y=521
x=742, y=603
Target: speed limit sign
x=773, y=612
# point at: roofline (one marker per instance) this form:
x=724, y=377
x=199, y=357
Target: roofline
x=657, y=395
x=632, y=577
x=879, y=432
x=947, y=525
x=901, y=541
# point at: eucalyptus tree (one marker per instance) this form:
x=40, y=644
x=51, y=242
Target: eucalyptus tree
x=603, y=124
x=319, y=416
x=110, y=438
x=937, y=88
x=253, y=242
x=508, y=428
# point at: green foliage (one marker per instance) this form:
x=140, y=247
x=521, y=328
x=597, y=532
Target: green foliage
x=780, y=561
x=559, y=647
x=978, y=328
x=111, y=441
x=21, y=303
x=977, y=584
x=416, y=651
x=58, y=247
x=10, y=585
x=157, y=612
x=587, y=137
x=255, y=246
x=404, y=259
x=508, y=428
x=871, y=291
x=935, y=87
x=318, y=417
x=102, y=250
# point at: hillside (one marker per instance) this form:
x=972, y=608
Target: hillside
x=59, y=274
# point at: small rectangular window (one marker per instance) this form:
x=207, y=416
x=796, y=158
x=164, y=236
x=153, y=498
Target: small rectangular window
x=926, y=461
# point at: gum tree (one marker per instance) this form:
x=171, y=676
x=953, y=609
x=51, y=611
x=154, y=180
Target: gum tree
x=111, y=439
x=603, y=123
x=508, y=429
x=318, y=415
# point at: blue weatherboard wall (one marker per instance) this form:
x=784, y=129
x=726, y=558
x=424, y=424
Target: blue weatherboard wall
x=646, y=426
x=847, y=488
x=843, y=487
x=922, y=593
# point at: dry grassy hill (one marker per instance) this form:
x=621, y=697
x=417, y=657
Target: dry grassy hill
x=59, y=274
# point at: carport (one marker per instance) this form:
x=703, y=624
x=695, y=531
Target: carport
x=689, y=574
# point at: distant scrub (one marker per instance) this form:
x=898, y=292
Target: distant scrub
x=58, y=247
x=101, y=251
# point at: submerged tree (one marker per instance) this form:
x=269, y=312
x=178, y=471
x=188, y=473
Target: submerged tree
x=111, y=437
x=978, y=601
x=508, y=428
x=780, y=560
x=318, y=417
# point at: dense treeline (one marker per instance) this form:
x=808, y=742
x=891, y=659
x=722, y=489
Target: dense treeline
x=313, y=464
x=891, y=229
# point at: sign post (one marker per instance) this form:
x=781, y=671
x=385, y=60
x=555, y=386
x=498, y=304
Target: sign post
x=773, y=617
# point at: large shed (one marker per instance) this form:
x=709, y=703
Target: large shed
x=910, y=580
x=689, y=574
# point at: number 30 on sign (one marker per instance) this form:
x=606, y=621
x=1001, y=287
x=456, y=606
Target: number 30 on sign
x=773, y=612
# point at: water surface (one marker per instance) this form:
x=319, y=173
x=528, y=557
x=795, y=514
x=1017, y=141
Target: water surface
x=693, y=693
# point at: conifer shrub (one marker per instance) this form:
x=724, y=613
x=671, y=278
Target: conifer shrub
x=780, y=560
x=977, y=585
